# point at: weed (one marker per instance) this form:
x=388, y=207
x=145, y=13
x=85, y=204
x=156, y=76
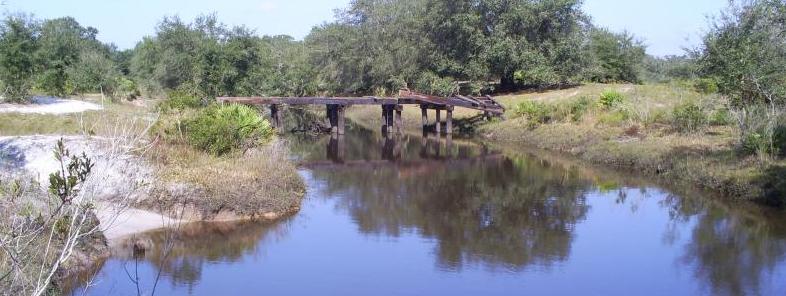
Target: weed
x=611, y=98
x=580, y=107
x=536, y=112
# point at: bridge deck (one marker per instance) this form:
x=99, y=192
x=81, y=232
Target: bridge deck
x=486, y=104
x=391, y=107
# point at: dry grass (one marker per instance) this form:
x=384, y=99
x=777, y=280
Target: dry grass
x=101, y=123
x=249, y=184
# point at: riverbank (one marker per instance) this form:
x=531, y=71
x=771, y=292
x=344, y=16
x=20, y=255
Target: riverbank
x=638, y=134
x=148, y=184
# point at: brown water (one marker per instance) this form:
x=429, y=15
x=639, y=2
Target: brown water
x=414, y=217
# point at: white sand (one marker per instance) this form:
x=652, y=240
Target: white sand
x=118, y=224
x=33, y=156
x=50, y=105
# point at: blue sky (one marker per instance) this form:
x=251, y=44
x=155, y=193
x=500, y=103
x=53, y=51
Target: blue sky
x=666, y=26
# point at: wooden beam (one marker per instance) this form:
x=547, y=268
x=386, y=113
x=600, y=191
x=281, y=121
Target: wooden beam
x=309, y=100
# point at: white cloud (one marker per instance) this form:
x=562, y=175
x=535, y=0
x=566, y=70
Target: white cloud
x=267, y=6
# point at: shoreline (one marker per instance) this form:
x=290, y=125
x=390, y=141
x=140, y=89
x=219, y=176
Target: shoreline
x=672, y=167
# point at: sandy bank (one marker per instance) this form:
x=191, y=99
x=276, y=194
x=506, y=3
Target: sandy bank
x=50, y=105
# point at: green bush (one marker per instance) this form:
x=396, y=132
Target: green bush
x=706, y=86
x=611, y=98
x=221, y=129
x=536, y=112
x=179, y=101
x=688, y=117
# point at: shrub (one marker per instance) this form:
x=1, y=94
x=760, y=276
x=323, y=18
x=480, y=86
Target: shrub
x=706, y=86
x=688, y=117
x=179, y=101
x=221, y=129
x=611, y=98
x=536, y=112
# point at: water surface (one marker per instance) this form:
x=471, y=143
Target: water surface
x=426, y=217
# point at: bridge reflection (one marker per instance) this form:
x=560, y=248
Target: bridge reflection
x=391, y=149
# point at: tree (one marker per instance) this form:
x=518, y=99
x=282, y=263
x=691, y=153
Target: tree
x=745, y=52
x=93, y=71
x=618, y=57
x=61, y=42
x=18, y=42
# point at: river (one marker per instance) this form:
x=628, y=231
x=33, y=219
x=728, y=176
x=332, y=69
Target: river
x=427, y=217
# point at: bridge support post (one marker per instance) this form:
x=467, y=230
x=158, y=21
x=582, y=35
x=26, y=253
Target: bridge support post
x=399, y=120
x=387, y=119
x=438, y=124
x=424, y=117
x=332, y=115
x=449, y=120
x=341, y=121
x=275, y=116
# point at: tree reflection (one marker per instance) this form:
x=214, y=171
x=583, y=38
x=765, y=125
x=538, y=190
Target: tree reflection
x=497, y=211
x=181, y=254
x=734, y=247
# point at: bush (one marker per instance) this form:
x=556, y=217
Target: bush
x=611, y=98
x=706, y=86
x=221, y=129
x=179, y=101
x=688, y=117
x=536, y=112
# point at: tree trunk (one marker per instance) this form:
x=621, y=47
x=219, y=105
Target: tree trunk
x=507, y=82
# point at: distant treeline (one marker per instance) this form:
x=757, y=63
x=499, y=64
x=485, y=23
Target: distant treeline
x=373, y=47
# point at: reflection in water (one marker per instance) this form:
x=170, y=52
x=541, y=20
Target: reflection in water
x=495, y=211
x=491, y=223
x=735, y=251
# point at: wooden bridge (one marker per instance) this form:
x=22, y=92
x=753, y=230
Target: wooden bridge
x=391, y=108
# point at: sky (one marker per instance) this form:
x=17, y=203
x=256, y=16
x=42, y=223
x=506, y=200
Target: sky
x=665, y=26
